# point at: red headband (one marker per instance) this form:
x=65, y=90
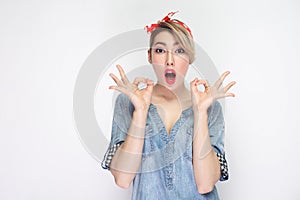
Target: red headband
x=168, y=19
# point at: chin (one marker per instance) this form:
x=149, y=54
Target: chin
x=171, y=86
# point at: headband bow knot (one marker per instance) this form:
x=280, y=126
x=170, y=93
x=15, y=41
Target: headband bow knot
x=167, y=18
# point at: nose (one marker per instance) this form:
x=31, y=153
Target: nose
x=170, y=59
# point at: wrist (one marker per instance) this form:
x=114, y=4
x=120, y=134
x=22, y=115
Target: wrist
x=139, y=116
x=200, y=109
x=141, y=111
x=141, y=108
x=200, y=114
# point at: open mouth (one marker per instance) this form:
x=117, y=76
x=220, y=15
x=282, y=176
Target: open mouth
x=170, y=76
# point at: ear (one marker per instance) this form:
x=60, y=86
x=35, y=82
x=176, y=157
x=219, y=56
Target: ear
x=149, y=56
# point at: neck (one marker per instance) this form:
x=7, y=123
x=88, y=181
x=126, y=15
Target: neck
x=181, y=94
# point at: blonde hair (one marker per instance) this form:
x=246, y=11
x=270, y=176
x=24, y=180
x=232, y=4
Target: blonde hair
x=180, y=33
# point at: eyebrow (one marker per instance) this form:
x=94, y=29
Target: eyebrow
x=162, y=43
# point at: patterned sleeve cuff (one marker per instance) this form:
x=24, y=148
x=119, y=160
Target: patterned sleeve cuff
x=223, y=166
x=109, y=155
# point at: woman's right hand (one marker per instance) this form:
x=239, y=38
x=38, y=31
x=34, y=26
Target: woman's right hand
x=139, y=98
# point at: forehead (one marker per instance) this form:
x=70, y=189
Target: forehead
x=166, y=38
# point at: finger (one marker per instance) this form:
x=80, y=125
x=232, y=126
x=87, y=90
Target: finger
x=229, y=95
x=122, y=74
x=193, y=81
x=204, y=83
x=150, y=82
x=112, y=87
x=119, y=89
x=222, y=95
x=221, y=79
x=116, y=79
x=139, y=79
x=193, y=85
x=228, y=86
x=197, y=82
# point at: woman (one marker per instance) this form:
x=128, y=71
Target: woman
x=167, y=139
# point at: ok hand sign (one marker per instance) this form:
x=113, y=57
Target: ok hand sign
x=139, y=98
x=202, y=100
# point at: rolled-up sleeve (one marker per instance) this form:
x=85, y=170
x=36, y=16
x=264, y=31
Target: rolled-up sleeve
x=109, y=155
x=216, y=130
x=121, y=121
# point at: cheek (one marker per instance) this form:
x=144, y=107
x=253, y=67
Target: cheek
x=158, y=59
x=158, y=64
x=182, y=59
x=181, y=72
x=183, y=65
x=159, y=71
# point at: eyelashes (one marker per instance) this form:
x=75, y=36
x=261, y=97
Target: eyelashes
x=180, y=51
x=161, y=51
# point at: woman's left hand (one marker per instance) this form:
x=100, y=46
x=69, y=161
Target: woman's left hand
x=202, y=100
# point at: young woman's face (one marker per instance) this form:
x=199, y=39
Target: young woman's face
x=169, y=60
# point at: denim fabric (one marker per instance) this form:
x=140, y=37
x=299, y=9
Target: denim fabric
x=166, y=170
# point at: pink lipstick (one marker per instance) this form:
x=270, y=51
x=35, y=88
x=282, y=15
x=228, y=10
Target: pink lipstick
x=170, y=76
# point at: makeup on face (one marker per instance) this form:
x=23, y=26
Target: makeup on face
x=169, y=59
x=170, y=76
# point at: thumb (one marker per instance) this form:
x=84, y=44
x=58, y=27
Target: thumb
x=193, y=85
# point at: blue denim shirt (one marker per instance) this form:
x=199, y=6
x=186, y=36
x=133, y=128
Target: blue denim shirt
x=166, y=170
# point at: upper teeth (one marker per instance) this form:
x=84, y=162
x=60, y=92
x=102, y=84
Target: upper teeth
x=170, y=74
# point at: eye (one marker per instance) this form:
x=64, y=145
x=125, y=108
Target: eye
x=180, y=50
x=160, y=50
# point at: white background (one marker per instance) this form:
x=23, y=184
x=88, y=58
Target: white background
x=44, y=43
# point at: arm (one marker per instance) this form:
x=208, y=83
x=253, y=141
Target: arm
x=126, y=161
x=205, y=161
